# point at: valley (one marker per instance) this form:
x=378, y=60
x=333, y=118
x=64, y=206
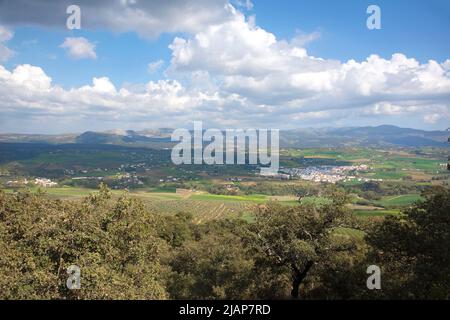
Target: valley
x=380, y=180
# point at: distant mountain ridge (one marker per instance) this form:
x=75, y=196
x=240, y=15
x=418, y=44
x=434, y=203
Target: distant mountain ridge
x=141, y=138
x=379, y=136
x=382, y=136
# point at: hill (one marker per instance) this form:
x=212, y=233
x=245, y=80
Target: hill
x=380, y=136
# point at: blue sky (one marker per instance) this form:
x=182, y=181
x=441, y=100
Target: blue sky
x=122, y=57
x=415, y=27
x=418, y=30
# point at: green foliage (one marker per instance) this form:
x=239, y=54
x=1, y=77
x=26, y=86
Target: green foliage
x=312, y=250
x=413, y=249
x=114, y=244
x=298, y=240
x=175, y=230
x=213, y=266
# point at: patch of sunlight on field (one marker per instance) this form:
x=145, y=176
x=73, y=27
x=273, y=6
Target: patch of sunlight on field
x=203, y=210
x=349, y=232
x=156, y=195
x=318, y=201
x=375, y=213
x=248, y=217
x=65, y=192
x=402, y=200
x=251, y=198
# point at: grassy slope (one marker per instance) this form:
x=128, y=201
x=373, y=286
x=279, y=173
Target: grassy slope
x=399, y=201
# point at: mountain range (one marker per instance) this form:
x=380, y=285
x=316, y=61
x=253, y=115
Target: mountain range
x=379, y=136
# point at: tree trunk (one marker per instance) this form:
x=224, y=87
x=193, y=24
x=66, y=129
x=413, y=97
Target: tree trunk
x=298, y=276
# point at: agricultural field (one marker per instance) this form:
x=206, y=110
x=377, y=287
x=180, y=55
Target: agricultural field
x=375, y=213
x=224, y=198
x=216, y=192
x=204, y=210
x=205, y=207
x=399, y=201
x=349, y=232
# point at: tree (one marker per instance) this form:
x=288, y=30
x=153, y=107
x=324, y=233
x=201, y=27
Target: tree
x=413, y=249
x=114, y=242
x=175, y=230
x=294, y=240
x=213, y=266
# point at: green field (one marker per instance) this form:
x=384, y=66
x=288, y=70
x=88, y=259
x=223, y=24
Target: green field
x=387, y=175
x=202, y=210
x=251, y=198
x=204, y=206
x=65, y=192
x=71, y=158
x=375, y=213
x=349, y=232
x=398, y=201
x=318, y=201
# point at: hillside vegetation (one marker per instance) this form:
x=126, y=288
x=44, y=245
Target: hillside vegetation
x=310, y=250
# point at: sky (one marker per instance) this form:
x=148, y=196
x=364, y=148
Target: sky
x=138, y=64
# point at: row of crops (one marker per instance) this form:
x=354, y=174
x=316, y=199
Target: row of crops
x=202, y=210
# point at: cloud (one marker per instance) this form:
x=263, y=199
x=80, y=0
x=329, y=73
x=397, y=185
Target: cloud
x=432, y=118
x=233, y=73
x=148, y=18
x=301, y=39
x=5, y=34
x=265, y=71
x=387, y=108
x=239, y=47
x=28, y=94
x=79, y=48
x=101, y=85
x=29, y=77
x=5, y=52
x=155, y=66
x=30, y=101
x=247, y=4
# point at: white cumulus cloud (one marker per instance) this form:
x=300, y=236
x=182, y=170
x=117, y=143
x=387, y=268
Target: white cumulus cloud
x=5, y=35
x=79, y=48
x=279, y=76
